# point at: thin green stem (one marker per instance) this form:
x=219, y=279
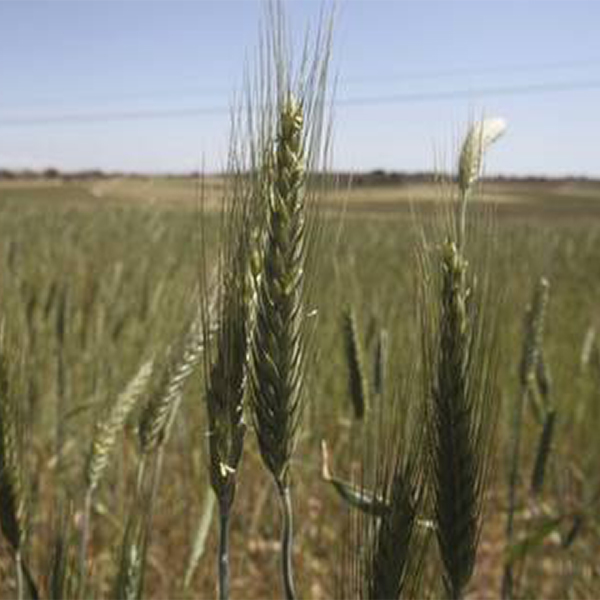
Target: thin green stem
x=457, y=593
x=507, y=579
x=141, y=471
x=462, y=219
x=287, y=535
x=85, y=534
x=19, y=574
x=224, y=553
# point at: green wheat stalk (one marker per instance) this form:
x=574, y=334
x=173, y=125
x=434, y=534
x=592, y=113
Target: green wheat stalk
x=459, y=369
x=278, y=344
x=295, y=120
x=129, y=580
x=225, y=373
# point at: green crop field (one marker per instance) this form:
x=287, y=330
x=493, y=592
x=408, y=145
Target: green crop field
x=93, y=285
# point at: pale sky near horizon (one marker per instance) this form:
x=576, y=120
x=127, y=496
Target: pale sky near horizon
x=122, y=85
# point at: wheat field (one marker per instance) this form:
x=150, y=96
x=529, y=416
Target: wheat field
x=90, y=291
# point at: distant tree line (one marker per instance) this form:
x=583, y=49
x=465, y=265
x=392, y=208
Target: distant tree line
x=374, y=177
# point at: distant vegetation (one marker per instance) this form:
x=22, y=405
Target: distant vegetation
x=359, y=178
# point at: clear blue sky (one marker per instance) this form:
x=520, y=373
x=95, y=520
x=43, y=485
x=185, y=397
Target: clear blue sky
x=72, y=74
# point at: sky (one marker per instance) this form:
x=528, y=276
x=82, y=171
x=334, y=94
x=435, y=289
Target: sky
x=147, y=86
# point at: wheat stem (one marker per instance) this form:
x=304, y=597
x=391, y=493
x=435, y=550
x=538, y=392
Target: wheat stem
x=287, y=538
x=513, y=477
x=150, y=503
x=129, y=579
x=279, y=335
x=201, y=536
x=85, y=533
x=462, y=220
x=19, y=574
x=224, y=551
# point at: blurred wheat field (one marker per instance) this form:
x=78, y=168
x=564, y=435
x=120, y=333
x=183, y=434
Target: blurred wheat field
x=97, y=277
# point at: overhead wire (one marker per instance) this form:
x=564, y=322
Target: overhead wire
x=387, y=77
x=356, y=101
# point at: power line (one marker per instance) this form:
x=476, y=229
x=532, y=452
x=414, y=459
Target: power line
x=389, y=77
x=101, y=117
x=403, y=98
x=484, y=70
x=511, y=90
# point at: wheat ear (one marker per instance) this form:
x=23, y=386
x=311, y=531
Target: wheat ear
x=12, y=509
x=470, y=164
x=453, y=456
x=394, y=553
x=112, y=423
x=102, y=446
x=292, y=135
x=278, y=344
x=12, y=498
x=391, y=544
x=383, y=555
x=160, y=411
x=225, y=374
x=528, y=369
x=459, y=369
x=354, y=360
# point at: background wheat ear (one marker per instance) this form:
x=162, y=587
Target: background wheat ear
x=532, y=370
x=480, y=136
x=111, y=424
x=155, y=426
x=103, y=442
x=181, y=361
x=12, y=497
x=357, y=384
x=12, y=509
x=394, y=546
